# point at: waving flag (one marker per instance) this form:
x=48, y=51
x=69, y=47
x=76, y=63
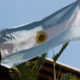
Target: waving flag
x=23, y=43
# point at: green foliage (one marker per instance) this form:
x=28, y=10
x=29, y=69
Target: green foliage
x=15, y=73
x=68, y=76
x=28, y=70
x=55, y=57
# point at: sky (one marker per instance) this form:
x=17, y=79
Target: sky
x=17, y=12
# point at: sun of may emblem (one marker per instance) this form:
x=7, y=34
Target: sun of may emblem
x=41, y=37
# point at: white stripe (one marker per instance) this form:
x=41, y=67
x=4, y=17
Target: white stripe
x=29, y=41
x=19, y=44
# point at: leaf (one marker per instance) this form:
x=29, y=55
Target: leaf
x=55, y=57
x=68, y=76
x=27, y=70
x=15, y=73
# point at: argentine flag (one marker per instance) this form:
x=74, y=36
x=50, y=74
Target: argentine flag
x=23, y=43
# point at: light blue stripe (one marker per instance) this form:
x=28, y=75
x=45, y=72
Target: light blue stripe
x=9, y=34
x=6, y=34
x=22, y=56
x=59, y=16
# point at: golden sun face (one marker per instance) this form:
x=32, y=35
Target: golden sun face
x=41, y=37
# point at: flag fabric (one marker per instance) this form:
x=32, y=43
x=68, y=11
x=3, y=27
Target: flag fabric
x=23, y=43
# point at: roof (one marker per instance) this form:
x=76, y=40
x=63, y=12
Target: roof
x=46, y=72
